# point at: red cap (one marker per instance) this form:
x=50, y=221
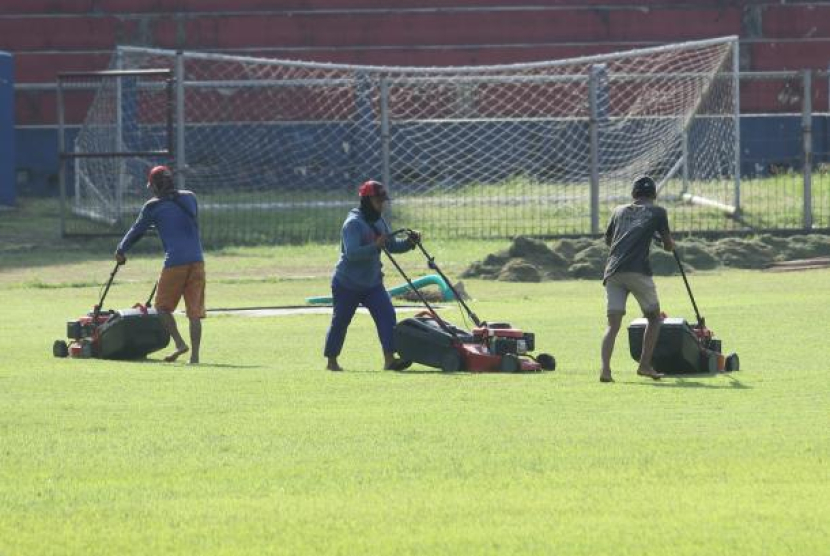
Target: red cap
x=161, y=178
x=158, y=171
x=372, y=188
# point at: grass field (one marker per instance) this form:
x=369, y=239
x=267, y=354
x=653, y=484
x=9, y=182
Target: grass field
x=515, y=206
x=260, y=451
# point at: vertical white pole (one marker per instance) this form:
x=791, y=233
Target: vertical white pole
x=119, y=139
x=593, y=101
x=736, y=91
x=61, y=158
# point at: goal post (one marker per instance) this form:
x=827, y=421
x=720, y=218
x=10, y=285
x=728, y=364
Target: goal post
x=276, y=148
x=127, y=128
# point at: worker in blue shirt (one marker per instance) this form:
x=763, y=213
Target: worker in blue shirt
x=174, y=214
x=358, y=279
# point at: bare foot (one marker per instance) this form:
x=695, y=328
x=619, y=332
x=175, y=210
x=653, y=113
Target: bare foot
x=333, y=367
x=650, y=373
x=175, y=355
x=606, y=377
x=194, y=361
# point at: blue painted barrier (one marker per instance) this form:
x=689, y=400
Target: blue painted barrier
x=8, y=181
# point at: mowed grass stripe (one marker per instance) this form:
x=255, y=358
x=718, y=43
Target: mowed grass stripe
x=261, y=451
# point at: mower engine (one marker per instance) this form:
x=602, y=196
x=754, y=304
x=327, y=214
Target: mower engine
x=501, y=339
x=84, y=335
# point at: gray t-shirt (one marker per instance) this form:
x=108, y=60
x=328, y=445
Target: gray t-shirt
x=630, y=231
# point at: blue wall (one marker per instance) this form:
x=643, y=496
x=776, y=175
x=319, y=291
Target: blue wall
x=37, y=159
x=7, y=135
x=767, y=143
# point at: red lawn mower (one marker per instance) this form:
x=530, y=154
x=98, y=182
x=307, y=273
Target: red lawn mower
x=430, y=340
x=123, y=334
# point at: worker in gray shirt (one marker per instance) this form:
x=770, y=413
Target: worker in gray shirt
x=629, y=234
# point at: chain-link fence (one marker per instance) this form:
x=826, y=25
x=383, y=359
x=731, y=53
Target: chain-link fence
x=785, y=151
x=275, y=149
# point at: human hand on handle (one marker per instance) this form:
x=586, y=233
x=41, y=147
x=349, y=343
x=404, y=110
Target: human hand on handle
x=381, y=241
x=414, y=237
x=664, y=241
x=120, y=258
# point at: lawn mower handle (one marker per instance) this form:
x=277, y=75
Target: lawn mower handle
x=701, y=322
x=97, y=310
x=434, y=266
x=423, y=299
x=149, y=303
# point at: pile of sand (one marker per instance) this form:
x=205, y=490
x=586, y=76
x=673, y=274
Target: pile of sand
x=533, y=260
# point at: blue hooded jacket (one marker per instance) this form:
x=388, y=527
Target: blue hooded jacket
x=359, y=266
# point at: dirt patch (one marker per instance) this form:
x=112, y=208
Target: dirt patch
x=806, y=247
x=520, y=270
x=696, y=254
x=567, y=248
x=533, y=260
x=434, y=295
x=589, y=263
x=743, y=253
x=801, y=264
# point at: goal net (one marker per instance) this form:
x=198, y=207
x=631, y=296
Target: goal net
x=129, y=125
x=275, y=149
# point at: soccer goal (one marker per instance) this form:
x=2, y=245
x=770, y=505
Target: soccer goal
x=128, y=126
x=276, y=148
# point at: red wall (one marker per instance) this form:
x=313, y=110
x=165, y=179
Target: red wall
x=50, y=36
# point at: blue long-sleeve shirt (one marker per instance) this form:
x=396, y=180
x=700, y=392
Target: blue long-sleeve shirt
x=178, y=229
x=359, y=266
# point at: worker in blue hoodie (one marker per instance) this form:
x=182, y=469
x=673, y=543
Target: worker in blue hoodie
x=358, y=279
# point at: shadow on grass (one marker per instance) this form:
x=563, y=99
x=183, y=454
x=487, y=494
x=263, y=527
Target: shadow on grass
x=467, y=373
x=184, y=363
x=683, y=382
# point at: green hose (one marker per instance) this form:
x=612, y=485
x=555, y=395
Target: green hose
x=429, y=280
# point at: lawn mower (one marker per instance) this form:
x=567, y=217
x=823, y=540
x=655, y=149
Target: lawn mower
x=124, y=334
x=683, y=348
x=430, y=340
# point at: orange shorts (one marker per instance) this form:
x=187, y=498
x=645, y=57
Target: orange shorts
x=186, y=280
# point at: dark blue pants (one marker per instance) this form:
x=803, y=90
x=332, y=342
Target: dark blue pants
x=346, y=302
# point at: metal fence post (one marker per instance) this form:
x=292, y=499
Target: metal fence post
x=385, y=138
x=736, y=92
x=181, y=159
x=807, y=136
x=61, y=158
x=119, y=137
x=593, y=103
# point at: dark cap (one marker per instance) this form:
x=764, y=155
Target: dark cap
x=372, y=188
x=644, y=186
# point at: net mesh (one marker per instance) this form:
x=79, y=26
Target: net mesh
x=275, y=149
x=128, y=120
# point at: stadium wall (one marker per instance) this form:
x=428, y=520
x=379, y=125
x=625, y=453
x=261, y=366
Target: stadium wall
x=50, y=36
